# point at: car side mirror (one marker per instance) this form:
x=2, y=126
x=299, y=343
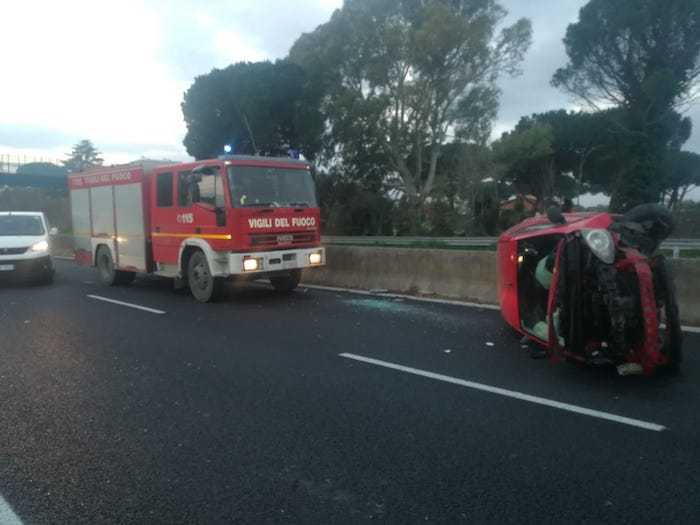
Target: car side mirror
x=555, y=215
x=53, y=231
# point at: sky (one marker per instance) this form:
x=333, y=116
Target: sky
x=115, y=72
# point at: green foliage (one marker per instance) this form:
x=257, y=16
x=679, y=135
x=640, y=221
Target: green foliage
x=528, y=157
x=54, y=204
x=260, y=108
x=83, y=156
x=399, y=74
x=685, y=175
x=348, y=208
x=640, y=56
x=46, y=169
x=687, y=215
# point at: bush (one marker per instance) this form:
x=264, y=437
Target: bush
x=55, y=204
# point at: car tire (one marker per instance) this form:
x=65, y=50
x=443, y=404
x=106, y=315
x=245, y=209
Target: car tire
x=47, y=278
x=203, y=285
x=109, y=275
x=286, y=283
x=673, y=336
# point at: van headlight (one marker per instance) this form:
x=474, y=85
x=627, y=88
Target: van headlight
x=41, y=246
x=315, y=258
x=601, y=244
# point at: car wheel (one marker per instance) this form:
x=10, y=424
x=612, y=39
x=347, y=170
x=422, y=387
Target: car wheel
x=203, y=285
x=286, y=283
x=48, y=278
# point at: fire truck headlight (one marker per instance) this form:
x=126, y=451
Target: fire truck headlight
x=250, y=264
x=315, y=258
x=40, y=246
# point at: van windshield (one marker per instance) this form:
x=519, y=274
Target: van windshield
x=253, y=186
x=21, y=225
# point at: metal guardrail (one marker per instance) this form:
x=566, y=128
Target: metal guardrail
x=675, y=245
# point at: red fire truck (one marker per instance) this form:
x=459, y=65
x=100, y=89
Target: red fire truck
x=200, y=222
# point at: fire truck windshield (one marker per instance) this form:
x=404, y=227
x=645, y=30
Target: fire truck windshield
x=272, y=187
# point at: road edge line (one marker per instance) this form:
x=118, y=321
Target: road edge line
x=454, y=302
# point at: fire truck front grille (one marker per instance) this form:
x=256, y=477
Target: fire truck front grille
x=275, y=239
x=13, y=251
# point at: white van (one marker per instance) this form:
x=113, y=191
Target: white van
x=24, y=247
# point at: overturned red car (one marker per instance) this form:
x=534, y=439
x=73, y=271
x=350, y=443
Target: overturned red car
x=592, y=288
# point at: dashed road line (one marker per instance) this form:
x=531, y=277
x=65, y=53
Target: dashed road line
x=130, y=305
x=510, y=393
x=7, y=515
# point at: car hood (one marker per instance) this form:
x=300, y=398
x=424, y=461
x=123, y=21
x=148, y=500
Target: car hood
x=19, y=241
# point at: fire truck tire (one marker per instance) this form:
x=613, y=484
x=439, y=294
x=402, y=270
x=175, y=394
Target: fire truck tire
x=109, y=275
x=286, y=283
x=203, y=285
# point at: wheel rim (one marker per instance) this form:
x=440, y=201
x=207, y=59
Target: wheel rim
x=201, y=276
x=105, y=265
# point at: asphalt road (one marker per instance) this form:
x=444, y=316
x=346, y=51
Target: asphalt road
x=243, y=411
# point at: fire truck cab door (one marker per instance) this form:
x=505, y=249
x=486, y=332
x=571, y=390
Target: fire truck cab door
x=201, y=205
x=164, y=226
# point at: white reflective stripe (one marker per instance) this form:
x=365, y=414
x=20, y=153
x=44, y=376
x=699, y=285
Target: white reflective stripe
x=510, y=393
x=130, y=305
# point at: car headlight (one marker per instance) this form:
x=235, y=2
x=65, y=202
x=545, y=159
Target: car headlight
x=250, y=264
x=41, y=246
x=315, y=258
x=601, y=244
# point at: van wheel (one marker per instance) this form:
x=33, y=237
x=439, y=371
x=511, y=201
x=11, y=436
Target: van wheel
x=109, y=275
x=203, y=285
x=286, y=283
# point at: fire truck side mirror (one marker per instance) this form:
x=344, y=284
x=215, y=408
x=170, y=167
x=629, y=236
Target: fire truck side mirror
x=220, y=216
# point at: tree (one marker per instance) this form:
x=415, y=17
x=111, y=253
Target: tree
x=83, y=156
x=260, y=108
x=350, y=208
x=46, y=169
x=685, y=175
x=399, y=76
x=642, y=57
x=529, y=160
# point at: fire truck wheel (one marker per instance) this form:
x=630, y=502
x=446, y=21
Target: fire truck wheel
x=286, y=283
x=203, y=285
x=109, y=275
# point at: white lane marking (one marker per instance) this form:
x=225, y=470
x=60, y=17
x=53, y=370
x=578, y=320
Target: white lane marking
x=485, y=306
x=510, y=393
x=403, y=296
x=7, y=515
x=130, y=305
